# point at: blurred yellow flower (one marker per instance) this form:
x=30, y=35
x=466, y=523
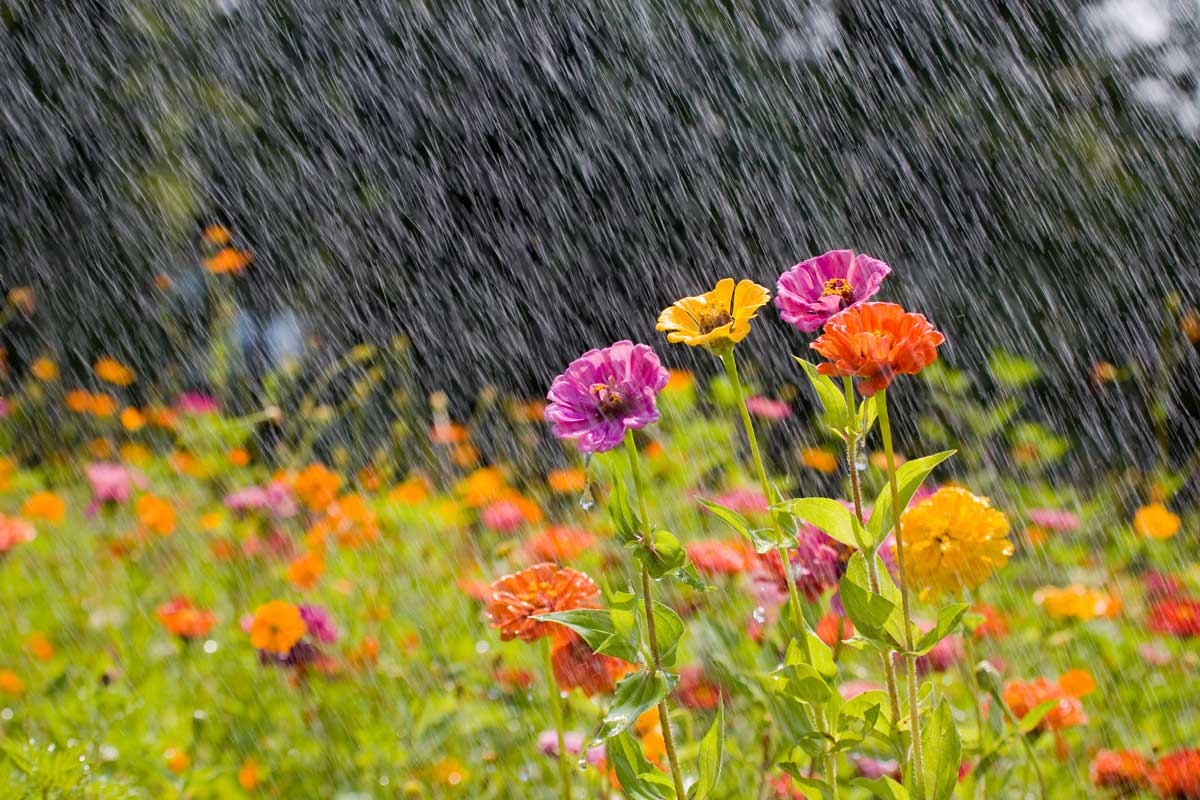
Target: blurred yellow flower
x=411, y=492
x=102, y=405
x=953, y=541
x=1155, y=521
x=1190, y=325
x=44, y=369
x=482, y=486
x=45, y=506
x=449, y=772
x=716, y=320
x=818, y=459
x=134, y=453
x=210, y=522
x=1076, y=602
x=112, y=371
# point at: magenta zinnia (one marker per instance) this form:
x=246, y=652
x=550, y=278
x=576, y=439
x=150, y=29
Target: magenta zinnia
x=604, y=393
x=815, y=289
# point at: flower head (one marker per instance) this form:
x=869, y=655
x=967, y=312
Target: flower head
x=820, y=287
x=715, y=557
x=14, y=531
x=228, y=260
x=605, y=392
x=558, y=543
x=318, y=624
x=876, y=342
x=276, y=627
x=816, y=563
x=1176, y=617
x=716, y=320
x=1053, y=519
x=768, y=408
x=696, y=690
x=541, y=589
x=576, y=666
x=953, y=541
x=1155, y=521
x=1119, y=769
x=1077, y=602
x=112, y=371
x=156, y=514
x=1023, y=696
x=1177, y=775
x=111, y=482
x=185, y=620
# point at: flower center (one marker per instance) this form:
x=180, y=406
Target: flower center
x=713, y=318
x=608, y=400
x=840, y=287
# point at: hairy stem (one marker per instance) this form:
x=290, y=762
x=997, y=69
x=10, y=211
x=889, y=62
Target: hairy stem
x=557, y=707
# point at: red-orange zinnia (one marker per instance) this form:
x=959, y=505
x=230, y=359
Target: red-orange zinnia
x=540, y=589
x=876, y=342
x=576, y=666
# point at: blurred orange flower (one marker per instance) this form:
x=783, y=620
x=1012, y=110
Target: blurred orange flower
x=541, y=589
x=39, y=647
x=411, y=492
x=349, y=520
x=818, y=459
x=1077, y=602
x=1077, y=682
x=1177, y=775
x=558, y=543
x=276, y=627
x=306, y=571
x=248, y=774
x=11, y=683
x=1119, y=769
x=185, y=620
x=238, y=457
x=566, y=481
x=156, y=514
x=14, y=531
x=45, y=506
x=316, y=486
x=482, y=486
x=44, y=369
x=216, y=234
x=112, y=371
x=132, y=419
x=228, y=260
x=177, y=760
x=576, y=666
x=1023, y=696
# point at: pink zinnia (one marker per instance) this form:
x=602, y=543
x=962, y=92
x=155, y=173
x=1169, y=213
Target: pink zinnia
x=767, y=408
x=112, y=483
x=14, y=531
x=503, y=516
x=1053, y=519
x=275, y=498
x=604, y=393
x=815, y=290
x=196, y=403
x=743, y=500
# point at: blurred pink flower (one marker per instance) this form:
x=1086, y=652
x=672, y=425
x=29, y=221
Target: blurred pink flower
x=573, y=742
x=766, y=408
x=275, y=498
x=196, y=403
x=743, y=500
x=503, y=516
x=112, y=483
x=1053, y=519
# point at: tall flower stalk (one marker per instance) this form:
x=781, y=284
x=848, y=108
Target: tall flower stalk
x=558, y=709
x=664, y=712
x=853, y=435
x=910, y=658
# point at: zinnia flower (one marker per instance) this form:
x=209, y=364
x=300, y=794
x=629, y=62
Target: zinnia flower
x=576, y=666
x=954, y=540
x=1155, y=521
x=540, y=589
x=716, y=320
x=1177, y=775
x=14, y=531
x=1024, y=696
x=1053, y=519
x=184, y=620
x=111, y=482
x=713, y=557
x=1077, y=602
x=558, y=543
x=228, y=260
x=816, y=564
x=876, y=342
x=1176, y=617
x=277, y=627
x=1124, y=770
x=766, y=408
x=820, y=287
x=156, y=514
x=112, y=371
x=604, y=393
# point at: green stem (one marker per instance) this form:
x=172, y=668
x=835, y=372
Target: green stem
x=556, y=705
x=664, y=716
x=794, y=607
x=917, y=767
x=1029, y=754
x=853, y=434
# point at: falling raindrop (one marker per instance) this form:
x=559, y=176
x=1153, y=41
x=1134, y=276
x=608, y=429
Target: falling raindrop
x=587, y=500
x=860, y=459
x=760, y=614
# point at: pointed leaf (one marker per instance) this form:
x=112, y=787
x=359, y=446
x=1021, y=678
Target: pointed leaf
x=830, y=516
x=597, y=627
x=669, y=630
x=763, y=539
x=882, y=788
x=634, y=771
x=947, y=620
x=909, y=477
x=635, y=695
x=1036, y=714
x=943, y=753
x=833, y=402
x=712, y=750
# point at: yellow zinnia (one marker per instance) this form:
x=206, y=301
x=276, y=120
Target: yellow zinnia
x=953, y=541
x=718, y=319
x=1156, y=521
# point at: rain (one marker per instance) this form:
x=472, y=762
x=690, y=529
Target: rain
x=342, y=342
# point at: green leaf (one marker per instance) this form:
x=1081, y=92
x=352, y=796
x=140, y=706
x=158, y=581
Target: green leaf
x=882, y=788
x=688, y=575
x=868, y=412
x=833, y=401
x=626, y=524
x=943, y=753
x=947, y=620
x=830, y=516
x=909, y=477
x=1012, y=370
x=802, y=682
x=635, y=695
x=669, y=630
x=869, y=707
x=635, y=772
x=869, y=607
x=1036, y=714
x=764, y=540
x=712, y=750
x=599, y=629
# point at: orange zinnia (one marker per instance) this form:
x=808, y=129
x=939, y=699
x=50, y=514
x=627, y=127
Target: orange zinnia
x=1024, y=696
x=306, y=571
x=1177, y=774
x=45, y=506
x=112, y=371
x=576, y=666
x=541, y=589
x=876, y=342
x=228, y=260
x=276, y=627
x=1119, y=769
x=156, y=514
x=184, y=620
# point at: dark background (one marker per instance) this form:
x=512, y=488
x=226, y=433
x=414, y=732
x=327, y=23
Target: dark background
x=512, y=183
